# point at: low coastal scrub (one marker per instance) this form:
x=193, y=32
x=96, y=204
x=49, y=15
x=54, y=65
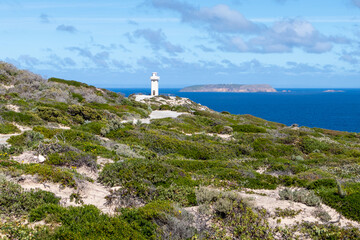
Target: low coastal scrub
x=8, y=128
x=199, y=161
x=148, y=180
x=304, y=196
x=14, y=201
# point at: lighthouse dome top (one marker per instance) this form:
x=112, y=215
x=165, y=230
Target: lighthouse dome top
x=154, y=77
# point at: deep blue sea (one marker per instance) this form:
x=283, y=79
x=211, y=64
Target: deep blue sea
x=306, y=107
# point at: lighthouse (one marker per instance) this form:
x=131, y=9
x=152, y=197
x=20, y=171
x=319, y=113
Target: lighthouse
x=154, y=84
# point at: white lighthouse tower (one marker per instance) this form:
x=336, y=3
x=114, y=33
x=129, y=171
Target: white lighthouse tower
x=154, y=84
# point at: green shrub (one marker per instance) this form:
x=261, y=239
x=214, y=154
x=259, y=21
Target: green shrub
x=52, y=115
x=322, y=183
x=248, y=128
x=76, y=137
x=84, y=112
x=309, y=145
x=287, y=212
x=304, y=196
x=93, y=127
x=15, y=201
x=51, y=173
x=144, y=219
x=163, y=144
x=77, y=96
x=69, y=82
x=72, y=158
x=348, y=205
x=27, y=139
x=314, y=174
x=328, y=231
x=18, y=230
x=47, y=132
x=234, y=213
x=148, y=179
x=165, y=107
x=39, y=213
x=8, y=128
x=26, y=118
x=85, y=222
x=322, y=214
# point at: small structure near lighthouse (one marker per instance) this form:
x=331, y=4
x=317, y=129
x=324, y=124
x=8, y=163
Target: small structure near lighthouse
x=154, y=84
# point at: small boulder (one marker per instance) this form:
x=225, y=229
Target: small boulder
x=41, y=158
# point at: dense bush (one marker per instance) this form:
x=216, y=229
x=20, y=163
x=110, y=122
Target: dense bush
x=69, y=82
x=47, y=132
x=83, y=112
x=53, y=174
x=72, y=158
x=26, y=118
x=164, y=144
x=77, y=96
x=149, y=179
x=236, y=214
x=15, y=201
x=93, y=127
x=248, y=128
x=322, y=183
x=309, y=145
x=8, y=128
x=27, y=139
x=85, y=222
x=348, y=205
x=304, y=196
x=52, y=115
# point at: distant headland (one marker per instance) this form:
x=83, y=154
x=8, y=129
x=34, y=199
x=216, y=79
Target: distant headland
x=331, y=91
x=229, y=88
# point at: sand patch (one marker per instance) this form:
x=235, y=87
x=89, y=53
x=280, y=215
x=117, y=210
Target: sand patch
x=6, y=86
x=29, y=157
x=157, y=114
x=270, y=200
x=13, y=107
x=91, y=193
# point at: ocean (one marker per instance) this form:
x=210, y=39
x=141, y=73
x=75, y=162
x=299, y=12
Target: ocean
x=305, y=107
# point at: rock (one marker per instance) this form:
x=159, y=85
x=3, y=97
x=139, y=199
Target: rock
x=41, y=158
x=298, y=158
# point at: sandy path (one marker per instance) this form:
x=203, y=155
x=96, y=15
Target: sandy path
x=157, y=114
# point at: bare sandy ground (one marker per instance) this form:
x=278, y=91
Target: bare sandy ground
x=157, y=114
x=270, y=200
x=13, y=107
x=91, y=192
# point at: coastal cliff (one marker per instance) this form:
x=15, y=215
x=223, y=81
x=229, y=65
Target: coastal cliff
x=229, y=88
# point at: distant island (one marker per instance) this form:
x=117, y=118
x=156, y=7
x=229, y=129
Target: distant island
x=229, y=88
x=333, y=91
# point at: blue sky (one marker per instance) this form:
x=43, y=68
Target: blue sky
x=112, y=43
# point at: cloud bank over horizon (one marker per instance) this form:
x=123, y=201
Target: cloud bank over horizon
x=285, y=43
